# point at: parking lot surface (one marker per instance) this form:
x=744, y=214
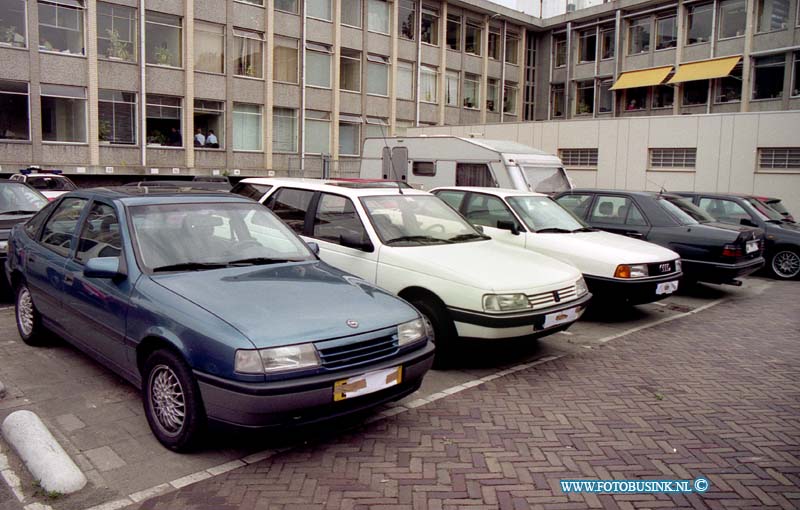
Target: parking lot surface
x=701, y=384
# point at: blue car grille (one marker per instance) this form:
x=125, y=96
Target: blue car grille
x=356, y=353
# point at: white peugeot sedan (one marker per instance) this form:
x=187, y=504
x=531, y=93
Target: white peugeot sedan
x=616, y=267
x=411, y=243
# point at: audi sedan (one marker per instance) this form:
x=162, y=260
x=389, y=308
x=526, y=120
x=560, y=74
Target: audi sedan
x=214, y=308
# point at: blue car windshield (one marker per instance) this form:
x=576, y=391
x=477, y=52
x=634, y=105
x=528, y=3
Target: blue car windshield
x=191, y=237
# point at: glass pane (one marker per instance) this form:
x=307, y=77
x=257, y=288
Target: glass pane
x=63, y=120
x=14, y=115
x=700, y=20
x=100, y=236
x=666, y=33
x=772, y=15
x=284, y=125
x=350, y=74
x=378, y=16
x=349, y=139
x=405, y=19
x=291, y=206
x=427, y=85
x=116, y=32
x=318, y=135
x=61, y=29
x=208, y=48
x=163, y=44
x=454, y=32
x=247, y=127
x=286, y=5
x=319, y=9
x=377, y=78
x=405, y=80
x=60, y=228
x=249, y=57
x=285, y=60
x=318, y=66
x=12, y=23
x=351, y=12
x=336, y=216
x=732, y=18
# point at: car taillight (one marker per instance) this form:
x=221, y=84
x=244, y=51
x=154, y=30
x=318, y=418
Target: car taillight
x=50, y=199
x=731, y=250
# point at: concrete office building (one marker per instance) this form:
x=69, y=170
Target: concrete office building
x=123, y=86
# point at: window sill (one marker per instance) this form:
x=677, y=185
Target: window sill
x=730, y=38
x=117, y=60
x=668, y=169
x=431, y=45
x=251, y=78
x=351, y=91
x=472, y=54
x=162, y=66
x=119, y=145
x=247, y=151
x=771, y=31
x=210, y=73
x=698, y=43
x=54, y=142
x=379, y=33
x=283, y=152
x=586, y=62
x=778, y=171
x=666, y=49
x=206, y=149
x=12, y=47
x=766, y=99
x=515, y=64
x=645, y=52
x=734, y=101
x=295, y=13
x=319, y=19
x=165, y=147
x=372, y=94
x=409, y=99
x=428, y=102
x=606, y=59
x=15, y=141
x=454, y=50
x=475, y=109
x=64, y=54
x=295, y=83
x=248, y=3
x=318, y=87
x=661, y=107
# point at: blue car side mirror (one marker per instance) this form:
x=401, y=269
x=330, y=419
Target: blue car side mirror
x=103, y=267
x=314, y=247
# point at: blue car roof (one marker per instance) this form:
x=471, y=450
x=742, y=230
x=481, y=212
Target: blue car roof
x=131, y=195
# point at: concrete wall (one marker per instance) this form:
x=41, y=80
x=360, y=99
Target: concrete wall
x=727, y=150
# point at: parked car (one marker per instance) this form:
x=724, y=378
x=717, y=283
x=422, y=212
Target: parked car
x=221, y=182
x=18, y=203
x=181, y=185
x=411, y=243
x=710, y=251
x=776, y=204
x=51, y=183
x=214, y=308
x=782, y=250
x=616, y=268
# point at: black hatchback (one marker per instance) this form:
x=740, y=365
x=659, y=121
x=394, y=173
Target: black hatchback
x=711, y=252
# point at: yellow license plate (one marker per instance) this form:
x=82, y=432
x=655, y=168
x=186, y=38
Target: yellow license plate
x=367, y=383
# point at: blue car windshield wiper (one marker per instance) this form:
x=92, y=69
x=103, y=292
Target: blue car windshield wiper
x=190, y=266
x=256, y=261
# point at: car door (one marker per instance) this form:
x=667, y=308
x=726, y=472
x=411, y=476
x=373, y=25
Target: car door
x=727, y=211
x=292, y=205
x=490, y=211
x=336, y=218
x=97, y=307
x=45, y=261
x=577, y=204
x=618, y=214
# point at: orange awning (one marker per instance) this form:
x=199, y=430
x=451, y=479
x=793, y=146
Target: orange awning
x=705, y=69
x=642, y=78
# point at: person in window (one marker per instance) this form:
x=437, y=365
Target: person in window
x=199, y=138
x=211, y=140
x=632, y=105
x=175, y=139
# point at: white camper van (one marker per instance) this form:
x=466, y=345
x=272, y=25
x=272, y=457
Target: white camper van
x=428, y=162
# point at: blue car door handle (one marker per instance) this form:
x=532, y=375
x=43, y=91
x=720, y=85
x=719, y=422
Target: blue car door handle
x=69, y=278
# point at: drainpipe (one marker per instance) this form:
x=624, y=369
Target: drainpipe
x=617, y=57
x=568, y=82
x=142, y=88
x=302, y=148
x=503, y=74
x=418, y=37
x=713, y=54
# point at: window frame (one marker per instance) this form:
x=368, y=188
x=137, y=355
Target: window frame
x=668, y=161
x=78, y=226
x=84, y=223
x=252, y=35
x=458, y=20
x=295, y=11
x=477, y=80
x=296, y=131
x=689, y=13
x=85, y=100
x=583, y=35
x=352, y=56
x=180, y=121
x=260, y=116
x=297, y=58
x=330, y=9
x=388, y=25
x=135, y=104
x=27, y=95
x=85, y=35
x=602, y=41
x=448, y=75
x=320, y=49
x=360, y=25
x=432, y=12
x=658, y=20
x=373, y=61
x=181, y=38
x=26, y=36
x=475, y=25
x=792, y=153
x=319, y=117
x=516, y=39
x=345, y=120
x=558, y=40
x=510, y=86
x=754, y=75
x=552, y=105
x=434, y=71
x=720, y=22
x=202, y=109
x=223, y=55
x=639, y=22
x=584, y=157
x=135, y=54
x=757, y=18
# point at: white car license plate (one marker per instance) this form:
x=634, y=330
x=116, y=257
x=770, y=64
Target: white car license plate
x=367, y=383
x=751, y=246
x=562, y=317
x=666, y=288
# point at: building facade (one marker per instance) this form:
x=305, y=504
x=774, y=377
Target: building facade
x=251, y=86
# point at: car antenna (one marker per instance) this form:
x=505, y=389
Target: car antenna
x=391, y=161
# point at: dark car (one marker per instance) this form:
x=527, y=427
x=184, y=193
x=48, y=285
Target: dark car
x=18, y=202
x=782, y=250
x=711, y=252
x=214, y=307
x=776, y=204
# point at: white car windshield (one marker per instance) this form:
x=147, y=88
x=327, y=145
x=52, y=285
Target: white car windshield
x=50, y=183
x=545, y=179
x=20, y=199
x=414, y=220
x=543, y=214
x=193, y=237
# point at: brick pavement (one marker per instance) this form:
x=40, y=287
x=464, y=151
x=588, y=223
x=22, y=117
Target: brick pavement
x=715, y=395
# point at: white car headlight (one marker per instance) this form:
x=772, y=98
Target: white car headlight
x=276, y=359
x=411, y=331
x=3, y=246
x=505, y=302
x=631, y=271
x=580, y=287
x=678, y=265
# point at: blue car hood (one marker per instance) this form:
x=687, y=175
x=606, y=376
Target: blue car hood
x=289, y=303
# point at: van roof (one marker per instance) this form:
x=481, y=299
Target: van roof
x=503, y=146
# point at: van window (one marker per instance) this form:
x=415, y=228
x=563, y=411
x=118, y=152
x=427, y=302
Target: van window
x=546, y=179
x=424, y=168
x=291, y=206
x=471, y=174
x=335, y=216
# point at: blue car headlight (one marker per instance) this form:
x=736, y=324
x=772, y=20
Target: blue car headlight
x=276, y=359
x=410, y=332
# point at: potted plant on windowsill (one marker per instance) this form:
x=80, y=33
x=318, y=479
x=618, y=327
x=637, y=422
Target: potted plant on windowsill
x=118, y=49
x=163, y=56
x=250, y=71
x=10, y=36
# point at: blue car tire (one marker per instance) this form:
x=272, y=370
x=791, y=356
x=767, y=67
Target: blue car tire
x=29, y=322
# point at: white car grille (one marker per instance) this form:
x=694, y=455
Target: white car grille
x=551, y=298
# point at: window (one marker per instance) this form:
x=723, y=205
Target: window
x=428, y=79
x=732, y=18
x=796, y=75
x=423, y=168
x=209, y=124
x=635, y=99
x=378, y=16
x=13, y=30
x=494, y=43
x=60, y=228
x=336, y=216
x=63, y=113
x=557, y=100
x=318, y=65
x=673, y=158
x=724, y=211
x=473, y=34
x=472, y=91
x=430, y=25
x=616, y=210
x=560, y=50
x=61, y=27
x=451, y=88
x=474, y=174
x=607, y=43
x=492, y=95
x=487, y=210
x=209, y=44
x=286, y=6
x=248, y=53
x=405, y=19
x=116, y=112
x=577, y=204
x=451, y=198
x=729, y=88
x=454, y=32
x=246, y=127
x=251, y=190
x=666, y=32
x=663, y=96
x=605, y=96
x=291, y=206
x=377, y=75
x=351, y=13
x=768, y=77
x=512, y=48
x=163, y=36
x=405, y=80
x=14, y=116
x=700, y=19
x=100, y=235
x=584, y=101
x=639, y=35
x=376, y=127
x=349, y=135
x=284, y=130
x=116, y=32
x=285, y=59
x=772, y=15
x=318, y=132
x=164, y=121
x=587, y=45
x=578, y=157
x=787, y=158
x=350, y=70
x=510, y=91
x=320, y=9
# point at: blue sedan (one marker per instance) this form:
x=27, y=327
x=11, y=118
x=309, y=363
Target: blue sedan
x=212, y=306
